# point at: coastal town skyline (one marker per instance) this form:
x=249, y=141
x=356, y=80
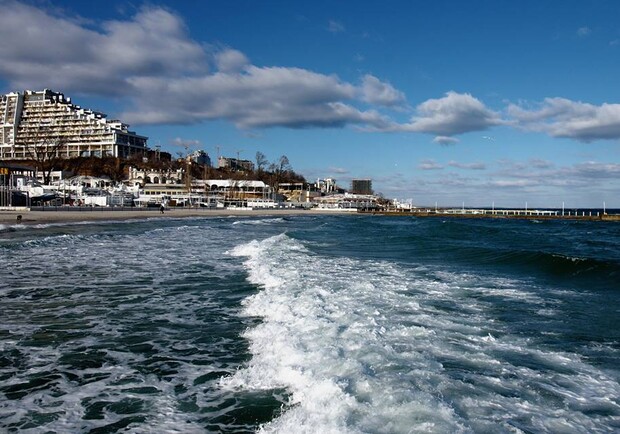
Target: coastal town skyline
x=484, y=102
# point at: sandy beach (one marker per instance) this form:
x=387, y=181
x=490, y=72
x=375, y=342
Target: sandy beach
x=94, y=214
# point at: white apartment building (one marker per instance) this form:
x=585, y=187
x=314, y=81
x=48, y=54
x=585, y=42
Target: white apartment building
x=36, y=121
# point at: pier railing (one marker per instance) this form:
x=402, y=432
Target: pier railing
x=500, y=213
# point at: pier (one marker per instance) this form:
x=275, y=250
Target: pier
x=527, y=214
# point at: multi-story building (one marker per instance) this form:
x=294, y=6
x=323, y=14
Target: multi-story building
x=361, y=186
x=235, y=164
x=200, y=157
x=33, y=122
x=327, y=185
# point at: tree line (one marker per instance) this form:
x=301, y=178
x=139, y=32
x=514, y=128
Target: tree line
x=117, y=169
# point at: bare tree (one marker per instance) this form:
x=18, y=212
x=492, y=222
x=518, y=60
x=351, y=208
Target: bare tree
x=283, y=164
x=277, y=169
x=261, y=161
x=43, y=150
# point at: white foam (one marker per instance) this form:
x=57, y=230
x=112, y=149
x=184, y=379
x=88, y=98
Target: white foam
x=259, y=222
x=326, y=347
x=105, y=285
x=365, y=346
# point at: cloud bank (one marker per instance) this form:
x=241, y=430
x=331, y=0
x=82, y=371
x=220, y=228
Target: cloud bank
x=60, y=53
x=151, y=61
x=152, y=66
x=560, y=117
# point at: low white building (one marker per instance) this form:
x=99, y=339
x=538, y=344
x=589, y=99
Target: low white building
x=347, y=201
x=155, y=176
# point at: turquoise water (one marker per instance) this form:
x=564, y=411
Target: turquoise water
x=310, y=324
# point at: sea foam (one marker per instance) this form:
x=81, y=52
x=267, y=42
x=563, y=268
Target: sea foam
x=365, y=346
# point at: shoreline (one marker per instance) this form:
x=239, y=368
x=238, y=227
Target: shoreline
x=9, y=217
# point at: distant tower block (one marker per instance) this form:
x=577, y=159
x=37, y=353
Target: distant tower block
x=361, y=186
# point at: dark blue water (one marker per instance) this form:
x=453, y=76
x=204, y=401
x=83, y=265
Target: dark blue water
x=311, y=324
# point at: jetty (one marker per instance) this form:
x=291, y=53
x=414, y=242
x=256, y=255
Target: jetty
x=526, y=214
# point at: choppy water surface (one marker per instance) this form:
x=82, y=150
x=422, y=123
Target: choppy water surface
x=310, y=324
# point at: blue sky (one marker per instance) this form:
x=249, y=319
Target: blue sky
x=481, y=102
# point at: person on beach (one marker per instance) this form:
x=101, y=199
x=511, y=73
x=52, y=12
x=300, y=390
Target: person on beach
x=161, y=208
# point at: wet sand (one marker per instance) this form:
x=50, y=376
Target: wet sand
x=94, y=214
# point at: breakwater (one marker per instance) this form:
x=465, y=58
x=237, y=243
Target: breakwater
x=585, y=215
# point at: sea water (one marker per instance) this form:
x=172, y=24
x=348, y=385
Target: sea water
x=310, y=324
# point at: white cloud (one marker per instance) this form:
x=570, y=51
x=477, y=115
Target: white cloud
x=514, y=183
x=594, y=169
x=55, y=52
x=444, y=140
x=378, y=92
x=335, y=26
x=429, y=165
x=189, y=143
x=455, y=113
x=255, y=98
x=150, y=62
x=230, y=60
x=540, y=164
x=339, y=170
x=560, y=117
x=583, y=31
x=584, y=175
x=469, y=166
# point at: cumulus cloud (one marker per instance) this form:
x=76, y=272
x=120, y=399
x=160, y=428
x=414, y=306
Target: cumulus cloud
x=560, y=117
x=469, y=166
x=257, y=97
x=152, y=65
x=429, y=165
x=57, y=52
x=444, y=140
x=231, y=60
x=378, y=92
x=455, y=113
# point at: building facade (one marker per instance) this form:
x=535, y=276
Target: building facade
x=154, y=176
x=327, y=185
x=33, y=122
x=235, y=164
x=200, y=157
x=361, y=186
